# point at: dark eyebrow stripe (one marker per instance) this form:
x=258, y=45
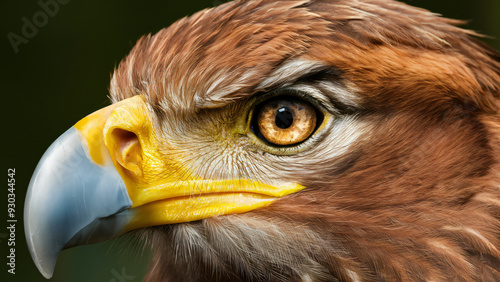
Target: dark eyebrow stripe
x=326, y=74
x=329, y=74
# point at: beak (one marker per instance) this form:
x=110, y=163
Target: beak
x=109, y=174
x=75, y=195
x=68, y=201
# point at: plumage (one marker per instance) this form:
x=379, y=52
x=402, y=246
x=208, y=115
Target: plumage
x=401, y=180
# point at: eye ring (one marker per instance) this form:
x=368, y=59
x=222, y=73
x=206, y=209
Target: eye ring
x=285, y=121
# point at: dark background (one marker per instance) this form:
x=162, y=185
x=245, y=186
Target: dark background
x=62, y=74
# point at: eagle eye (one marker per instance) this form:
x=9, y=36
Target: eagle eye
x=285, y=120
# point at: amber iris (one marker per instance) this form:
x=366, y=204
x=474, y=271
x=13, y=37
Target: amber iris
x=286, y=121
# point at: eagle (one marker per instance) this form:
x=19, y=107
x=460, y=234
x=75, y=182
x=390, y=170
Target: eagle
x=297, y=140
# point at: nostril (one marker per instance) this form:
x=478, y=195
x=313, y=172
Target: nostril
x=128, y=151
x=125, y=138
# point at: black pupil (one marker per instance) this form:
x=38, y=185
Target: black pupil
x=284, y=118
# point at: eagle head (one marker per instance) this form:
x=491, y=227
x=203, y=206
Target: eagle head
x=300, y=140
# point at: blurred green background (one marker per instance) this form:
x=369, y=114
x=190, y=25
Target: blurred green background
x=62, y=74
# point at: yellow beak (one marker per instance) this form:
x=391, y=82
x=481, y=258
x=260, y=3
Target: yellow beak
x=112, y=173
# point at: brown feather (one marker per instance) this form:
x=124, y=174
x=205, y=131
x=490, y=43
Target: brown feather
x=415, y=197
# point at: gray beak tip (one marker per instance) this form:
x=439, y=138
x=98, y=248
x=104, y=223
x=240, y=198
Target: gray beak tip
x=46, y=266
x=45, y=260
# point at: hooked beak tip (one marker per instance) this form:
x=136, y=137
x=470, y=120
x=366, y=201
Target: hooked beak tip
x=67, y=197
